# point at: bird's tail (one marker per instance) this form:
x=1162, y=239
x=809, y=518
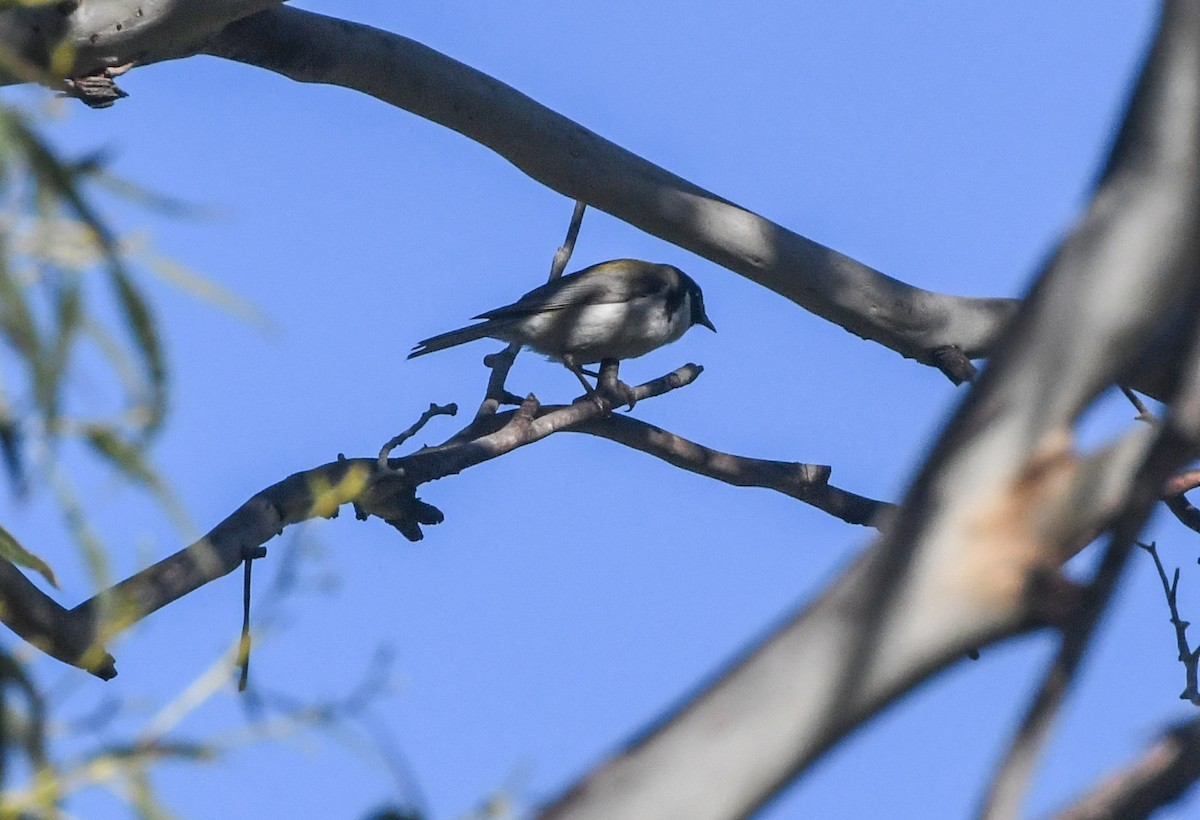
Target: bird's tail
x=452, y=339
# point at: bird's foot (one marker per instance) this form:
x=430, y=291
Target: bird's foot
x=617, y=395
x=608, y=400
x=612, y=388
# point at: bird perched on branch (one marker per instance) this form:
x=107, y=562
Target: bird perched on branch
x=611, y=311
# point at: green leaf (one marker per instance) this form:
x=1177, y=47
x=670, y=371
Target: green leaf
x=130, y=460
x=16, y=317
x=19, y=327
x=126, y=457
x=204, y=289
x=68, y=316
x=11, y=549
x=145, y=332
x=12, y=442
x=62, y=180
x=58, y=178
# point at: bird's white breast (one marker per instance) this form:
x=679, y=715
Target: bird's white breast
x=623, y=330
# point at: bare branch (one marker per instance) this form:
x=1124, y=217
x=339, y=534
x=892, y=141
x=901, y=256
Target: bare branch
x=1143, y=412
x=580, y=164
x=1177, y=502
x=394, y=442
x=1187, y=656
x=936, y=329
x=804, y=482
x=563, y=255
x=115, y=33
x=501, y=363
x=1162, y=775
x=386, y=491
x=985, y=524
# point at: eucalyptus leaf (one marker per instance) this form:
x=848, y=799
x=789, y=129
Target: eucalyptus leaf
x=11, y=549
x=128, y=458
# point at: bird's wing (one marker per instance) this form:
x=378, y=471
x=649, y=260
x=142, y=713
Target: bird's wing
x=606, y=283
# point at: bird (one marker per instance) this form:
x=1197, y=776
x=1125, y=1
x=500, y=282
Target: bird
x=615, y=310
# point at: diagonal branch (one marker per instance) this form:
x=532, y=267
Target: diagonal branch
x=1187, y=656
x=385, y=490
x=804, y=482
x=936, y=329
x=1161, y=776
x=983, y=526
x=1174, y=496
x=584, y=166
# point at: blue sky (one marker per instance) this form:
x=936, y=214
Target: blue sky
x=947, y=144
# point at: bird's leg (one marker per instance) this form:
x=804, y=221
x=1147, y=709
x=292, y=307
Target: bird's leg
x=572, y=365
x=609, y=390
x=612, y=387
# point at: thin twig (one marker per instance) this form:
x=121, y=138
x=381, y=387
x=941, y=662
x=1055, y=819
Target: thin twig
x=1187, y=656
x=497, y=394
x=1174, y=497
x=501, y=363
x=563, y=255
x=394, y=442
x=244, y=643
x=1143, y=412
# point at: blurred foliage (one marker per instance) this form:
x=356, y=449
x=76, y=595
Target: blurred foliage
x=53, y=248
x=81, y=363
x=83, y=371
x=81, y=355
x=81, y=360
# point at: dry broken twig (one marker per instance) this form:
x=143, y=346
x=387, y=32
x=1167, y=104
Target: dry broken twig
x=1187, y=656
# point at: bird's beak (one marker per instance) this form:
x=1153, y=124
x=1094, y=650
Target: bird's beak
x=704, y=320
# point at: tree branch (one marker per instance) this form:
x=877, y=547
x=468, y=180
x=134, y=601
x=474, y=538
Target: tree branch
x=1187, y=656
x=936, y=329
x=384, y=489
x=501, y=363
x=957, y=566
x=112, y=34
x=985, y=524
x=804, y=482
x=1161, y=776
x=580, y=164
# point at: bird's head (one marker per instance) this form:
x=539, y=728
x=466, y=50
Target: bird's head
x=695, y=298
